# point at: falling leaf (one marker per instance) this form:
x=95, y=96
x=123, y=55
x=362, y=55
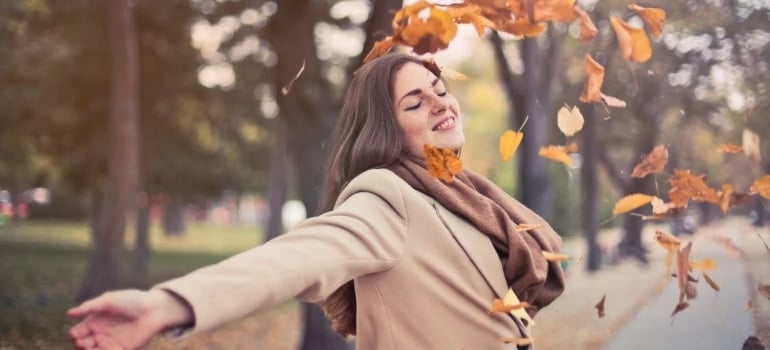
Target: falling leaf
x=569, y=121
x=751, y=145
x=711, y=282
x=509, y=142
x=523, y=28
x=762, y=186
x=470, y=13
x=613, y=101
x=654, y=162
x=424, y=35
x=285, y=89
x=765, y=290
x=667, y=241
x=556, y=153
x=588, y=29
x=510, y=298
x=686, y=288
x=729, y=148
x=659, y=207
x=452, y=74
x=555, y=257
x=592, y=89
x=633, y=42
x=652, y=17
x=380, y=48
x=685, y=186
x=443, y=163
x=631, y=202
x=499, y=306
x=600, y=306
x=528, y=227
x=725, y=196
x=704, y=265
x=571, y=147
x=679, y=307
x=519, y=341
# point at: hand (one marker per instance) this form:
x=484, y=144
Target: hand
x=126, y=319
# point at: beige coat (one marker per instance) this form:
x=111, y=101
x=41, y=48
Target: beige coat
x=424, y=277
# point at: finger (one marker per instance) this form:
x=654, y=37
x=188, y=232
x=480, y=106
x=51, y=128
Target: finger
x=94, y=305
x=79, y=330
x=85, y=343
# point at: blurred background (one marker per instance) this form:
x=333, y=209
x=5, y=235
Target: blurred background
x=141, y=139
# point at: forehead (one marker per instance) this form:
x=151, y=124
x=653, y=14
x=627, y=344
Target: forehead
x=412, y=76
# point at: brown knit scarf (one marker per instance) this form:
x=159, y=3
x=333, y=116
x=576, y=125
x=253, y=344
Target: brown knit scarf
x=496, y=214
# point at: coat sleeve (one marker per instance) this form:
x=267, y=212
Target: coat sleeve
x=364, y=234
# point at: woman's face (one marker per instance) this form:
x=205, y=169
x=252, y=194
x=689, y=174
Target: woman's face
x=425, y=111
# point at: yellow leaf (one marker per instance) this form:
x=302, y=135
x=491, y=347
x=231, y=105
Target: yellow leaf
x=751, y=145
x=762, y=186
x=442, y=163
x=592, y=89
x=729, y=148
x=499, y=306
x=569, y=121
x=705, y=265
x=652, y=17
x=511, y=298
x=631, y=202
x=633, y=42
x=556, y=257
x=509, y=142
x=556, y=153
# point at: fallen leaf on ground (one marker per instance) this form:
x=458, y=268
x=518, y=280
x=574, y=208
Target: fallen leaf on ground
x=631, y=202
x=653, y=162
x=442, y=163
x=600, y=306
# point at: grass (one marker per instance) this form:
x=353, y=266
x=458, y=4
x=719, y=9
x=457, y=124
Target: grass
x=42, y=265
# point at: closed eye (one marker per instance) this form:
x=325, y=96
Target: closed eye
x=413, y=107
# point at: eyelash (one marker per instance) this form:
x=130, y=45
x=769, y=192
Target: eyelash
x=420, y=103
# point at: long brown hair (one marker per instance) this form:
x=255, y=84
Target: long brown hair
x=367, y=136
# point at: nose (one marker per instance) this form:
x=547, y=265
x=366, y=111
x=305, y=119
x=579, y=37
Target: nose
x=439, y=105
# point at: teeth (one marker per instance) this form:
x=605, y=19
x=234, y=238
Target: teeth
x=445, y=123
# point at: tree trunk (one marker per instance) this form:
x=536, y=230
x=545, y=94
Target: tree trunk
x=173, y=218
x=277, y=181
x=589, y=187
x=141, y=255
x=103, y=271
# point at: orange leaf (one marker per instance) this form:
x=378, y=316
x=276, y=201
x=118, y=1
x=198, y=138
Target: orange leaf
x=470, y=13
x=426, y=35
x=523, y=28
x=509, y=142
x=510, y=298
x=724, y=197
x=555, y=257
x=652, y=17
x=499, y=306
x=667, y=241
x=729, y=148
x=527, y=227
x=553, y=10
x=711, y=282
x=556, y=153
x=588, y=29
x=631, y=202
x=600, y=306
x=654, y=162
x=519, y=341
x=762, y=186
x=633, y=42
x=685, y=186
x=707, y=264
x=379, y=49
x=592, y=90
x=443, y=163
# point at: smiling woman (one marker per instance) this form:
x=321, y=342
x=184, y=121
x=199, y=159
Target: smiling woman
x=398, y=258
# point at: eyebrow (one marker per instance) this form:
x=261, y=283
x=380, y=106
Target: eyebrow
x=417, y=91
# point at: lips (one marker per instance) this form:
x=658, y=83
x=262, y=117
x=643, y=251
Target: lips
x=444, y=124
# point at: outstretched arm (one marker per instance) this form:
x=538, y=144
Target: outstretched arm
x=126, y=319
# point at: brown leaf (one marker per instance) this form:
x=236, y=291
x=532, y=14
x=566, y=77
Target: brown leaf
x=685, y=186
x=592, y=89
x=285, y=89
x=679, y=307
x=556, y=257
x=725, y=196
x=600, y=306
x=523, y=28
x=730, y=148
x=633, y=42
x=518, y=341
x=762, y=186
x=380, y=48
x=686, y=289
x=631, y=202
x=652, y=17
x=667, y=241
x=711, y=282
x=654, y=162
x=764, y=289
x=442, y=163
x=426, y=35
x=509, y=142
x=556, y=153
x=588, y=29
x=470, y=13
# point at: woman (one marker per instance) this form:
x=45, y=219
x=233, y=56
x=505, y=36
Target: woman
x=399, y=259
